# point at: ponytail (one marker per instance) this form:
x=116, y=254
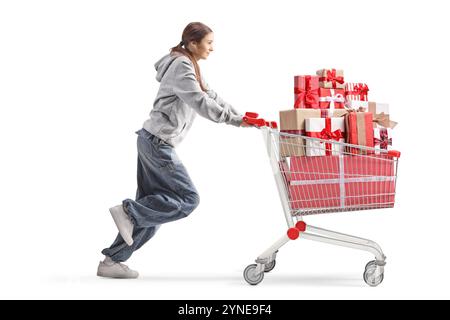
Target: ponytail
x=185, y=51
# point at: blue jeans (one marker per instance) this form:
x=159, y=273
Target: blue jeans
x=165, y=193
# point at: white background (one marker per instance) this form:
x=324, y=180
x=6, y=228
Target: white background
x=77, y=80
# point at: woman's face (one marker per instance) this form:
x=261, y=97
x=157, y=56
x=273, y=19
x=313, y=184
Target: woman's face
x=202, y=49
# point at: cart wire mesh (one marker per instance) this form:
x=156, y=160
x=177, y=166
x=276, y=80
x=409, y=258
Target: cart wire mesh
x=324, y=176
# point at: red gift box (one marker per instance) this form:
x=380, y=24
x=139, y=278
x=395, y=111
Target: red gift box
x=331, y=98
x=359, y=128
x=306, y=92
x=372, y=181
x=341, y=182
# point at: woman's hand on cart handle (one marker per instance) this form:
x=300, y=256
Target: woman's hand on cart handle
x=246, y=124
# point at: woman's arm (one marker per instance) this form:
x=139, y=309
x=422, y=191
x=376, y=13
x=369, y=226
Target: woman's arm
x=187, y=88
x=213, y=95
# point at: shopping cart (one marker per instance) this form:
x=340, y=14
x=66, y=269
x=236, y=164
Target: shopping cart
x=315, y=175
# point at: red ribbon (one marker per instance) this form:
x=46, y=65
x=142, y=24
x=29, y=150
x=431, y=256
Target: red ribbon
x=384, y=140
x=360, y=89
x=308, y=96
x=327, y=134
x=324, y=113
x=331, y=76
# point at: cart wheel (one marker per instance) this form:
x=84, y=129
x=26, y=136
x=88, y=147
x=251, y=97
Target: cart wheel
x=269, y=267
x=369, y=275
x=371, y=263
x=251, y=277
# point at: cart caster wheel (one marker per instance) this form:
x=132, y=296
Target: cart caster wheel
x=269, y=267
x=251, y=277
x=369, y=275
x=371, y=263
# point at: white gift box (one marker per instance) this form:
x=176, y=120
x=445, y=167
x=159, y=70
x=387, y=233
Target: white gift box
x=332, y=129
x=352, y=92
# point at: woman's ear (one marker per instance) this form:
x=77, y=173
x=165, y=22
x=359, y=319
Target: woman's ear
x=192, y=46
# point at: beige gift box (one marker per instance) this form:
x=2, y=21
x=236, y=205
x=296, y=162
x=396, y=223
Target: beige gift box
x=331, y=78
x=293, y=121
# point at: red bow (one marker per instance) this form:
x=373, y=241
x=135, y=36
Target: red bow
x=361, y=90
x=310, y=97
x=327, y=134
x=384, y=140
x=331, y=76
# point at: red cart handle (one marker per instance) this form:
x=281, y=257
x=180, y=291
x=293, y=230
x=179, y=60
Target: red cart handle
x=255, y=122
x=394, y=153
x=251, y=115
x=252, y=118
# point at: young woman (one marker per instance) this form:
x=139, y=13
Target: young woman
x=165, y=191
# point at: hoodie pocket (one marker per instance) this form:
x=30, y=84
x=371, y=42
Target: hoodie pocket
x=180, y=132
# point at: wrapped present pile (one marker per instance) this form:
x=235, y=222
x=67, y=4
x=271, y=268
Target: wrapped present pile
x=326, y=95
x=328, y=108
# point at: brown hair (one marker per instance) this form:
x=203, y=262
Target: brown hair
x=194, y=31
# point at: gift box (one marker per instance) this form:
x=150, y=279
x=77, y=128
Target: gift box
x=356, y=91
x=331, y=78
x=341, y=181
x=380, y=112
x=293, y=121
x=377, y=107
x=369, y=181
x=327, y=129
x=314, y=183
x=382, y=139
x=306, y=92
x=331, y=98
x=367, y=106
x=359, y=129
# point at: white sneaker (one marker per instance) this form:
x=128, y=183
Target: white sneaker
x=115, y=270
x=123, y=223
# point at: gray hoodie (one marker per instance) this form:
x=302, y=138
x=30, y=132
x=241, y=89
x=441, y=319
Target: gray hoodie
x=179, y=99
